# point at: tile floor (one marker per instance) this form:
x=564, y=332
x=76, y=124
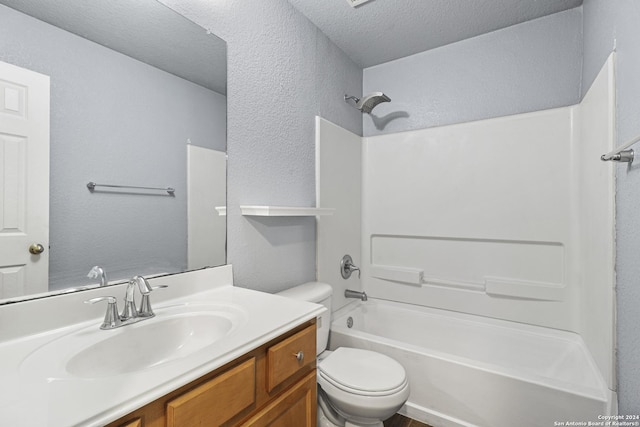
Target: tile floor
x=400, y=421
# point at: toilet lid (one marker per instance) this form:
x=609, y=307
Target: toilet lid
x=362, y=370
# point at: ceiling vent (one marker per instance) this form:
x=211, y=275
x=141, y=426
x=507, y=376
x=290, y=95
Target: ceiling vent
x=355, y=3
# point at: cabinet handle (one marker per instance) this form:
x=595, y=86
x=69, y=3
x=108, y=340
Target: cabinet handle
x=299, y=356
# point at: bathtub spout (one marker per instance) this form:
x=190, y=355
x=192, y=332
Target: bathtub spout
x=348, y=293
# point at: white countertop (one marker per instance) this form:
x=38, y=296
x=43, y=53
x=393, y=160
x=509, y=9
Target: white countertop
x=43, y=397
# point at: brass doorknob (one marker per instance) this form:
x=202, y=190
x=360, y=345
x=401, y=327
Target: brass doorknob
x=36, y=248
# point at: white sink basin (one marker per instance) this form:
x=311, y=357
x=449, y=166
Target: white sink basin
x=175, y=333
x=149, y=344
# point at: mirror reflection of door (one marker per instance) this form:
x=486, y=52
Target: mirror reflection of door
x=24, y=181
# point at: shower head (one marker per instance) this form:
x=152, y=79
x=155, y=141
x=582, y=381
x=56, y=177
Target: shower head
x=368, y=103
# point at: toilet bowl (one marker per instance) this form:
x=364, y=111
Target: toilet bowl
x=357, y=387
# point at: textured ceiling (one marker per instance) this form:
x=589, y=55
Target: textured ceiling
x=142, y=29
x=384, y=30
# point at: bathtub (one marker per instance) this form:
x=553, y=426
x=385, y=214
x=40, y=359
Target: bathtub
x=468, y=370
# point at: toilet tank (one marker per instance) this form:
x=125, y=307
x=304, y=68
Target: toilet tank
x=319, y=293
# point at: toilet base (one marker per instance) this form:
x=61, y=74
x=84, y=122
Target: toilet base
x=376, y=424
x=323, y=421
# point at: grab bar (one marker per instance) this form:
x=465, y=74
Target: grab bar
x=92, y=185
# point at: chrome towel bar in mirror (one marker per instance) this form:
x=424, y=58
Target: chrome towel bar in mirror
x=92, y=185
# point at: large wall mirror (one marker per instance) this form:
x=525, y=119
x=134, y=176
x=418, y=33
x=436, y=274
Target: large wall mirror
x=123, y=94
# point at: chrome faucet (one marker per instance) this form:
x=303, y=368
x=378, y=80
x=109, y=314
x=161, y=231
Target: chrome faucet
x=348, y=293
x=130, y=314
x=96, y=272
x=130, y=311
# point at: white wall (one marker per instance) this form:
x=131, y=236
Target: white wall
x=609, y=23
x=282, y=72
x=527, y=67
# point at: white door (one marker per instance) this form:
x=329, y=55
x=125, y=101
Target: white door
x=24, y=181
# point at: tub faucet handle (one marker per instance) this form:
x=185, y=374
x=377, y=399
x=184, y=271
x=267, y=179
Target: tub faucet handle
x=347, y=267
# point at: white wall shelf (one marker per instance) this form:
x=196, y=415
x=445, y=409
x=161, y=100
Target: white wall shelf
x=284, y=211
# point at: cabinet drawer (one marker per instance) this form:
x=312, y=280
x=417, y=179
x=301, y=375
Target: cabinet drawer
x=216, y=401
x=290, y=356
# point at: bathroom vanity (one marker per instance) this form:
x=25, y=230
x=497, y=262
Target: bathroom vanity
x=267, y=386
x=214, y=354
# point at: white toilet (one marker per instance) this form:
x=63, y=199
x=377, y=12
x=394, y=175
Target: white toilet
x=357, y=387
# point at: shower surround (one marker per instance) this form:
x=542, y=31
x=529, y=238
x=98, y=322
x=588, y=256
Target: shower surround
x=510, y=218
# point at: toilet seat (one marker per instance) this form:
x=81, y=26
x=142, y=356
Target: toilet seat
x=363, y=372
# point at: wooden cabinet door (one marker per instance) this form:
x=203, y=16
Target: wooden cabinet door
x=217, y=401
x=295, y=407
x=289, y=356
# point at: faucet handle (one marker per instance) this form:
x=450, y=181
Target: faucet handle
x=347, y=267
x=109, y=299
x=111, y=317
x=145, y=304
